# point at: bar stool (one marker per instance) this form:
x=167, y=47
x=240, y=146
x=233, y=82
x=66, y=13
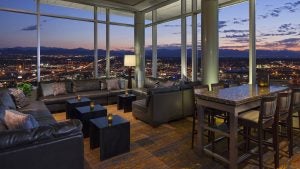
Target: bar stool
x=260, y=119
x=296, y=105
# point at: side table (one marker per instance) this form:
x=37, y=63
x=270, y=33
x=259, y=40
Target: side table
x=125, y=102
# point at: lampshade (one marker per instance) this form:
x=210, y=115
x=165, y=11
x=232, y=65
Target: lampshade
x=129, y=60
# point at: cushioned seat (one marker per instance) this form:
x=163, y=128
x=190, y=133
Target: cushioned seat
x=116, y=92
x=34, y=106
x=57, y=99
x=93, y=94
x=250, y=116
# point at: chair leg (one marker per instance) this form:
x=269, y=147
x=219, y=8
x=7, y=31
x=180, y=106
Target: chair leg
x=276, y=144
x=290, y=134
x=260, y=148
x=193, y=129
x=245, y=131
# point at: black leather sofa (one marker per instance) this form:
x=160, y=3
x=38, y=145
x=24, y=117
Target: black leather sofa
x=53, y=145
x=165, y=104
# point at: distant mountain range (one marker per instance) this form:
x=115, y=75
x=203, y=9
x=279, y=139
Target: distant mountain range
x=161, y=52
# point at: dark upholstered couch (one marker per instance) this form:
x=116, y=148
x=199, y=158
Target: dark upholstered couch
x=52, y=145
x=165, y=104
x=95, y=89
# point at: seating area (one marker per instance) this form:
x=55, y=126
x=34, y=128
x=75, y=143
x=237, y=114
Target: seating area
x=84, y=113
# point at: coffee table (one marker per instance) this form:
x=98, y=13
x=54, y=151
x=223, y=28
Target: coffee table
x=71, y=105
x=125, y=102
x=113, y=139
x=85, y=113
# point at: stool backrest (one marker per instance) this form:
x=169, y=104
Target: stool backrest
x=268, y=108
x=295, y=99
x=284, y=102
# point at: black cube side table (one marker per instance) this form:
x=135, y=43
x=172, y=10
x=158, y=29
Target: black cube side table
x=113, y=139
x=71, y=104
x=125, y=102
x=85, y=113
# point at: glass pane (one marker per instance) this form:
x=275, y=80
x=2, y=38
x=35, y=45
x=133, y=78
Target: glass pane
x=189, y=46
x=67, y=55
x=121, y=43
x=102, y=49
x=29, y=5
x=65, y=8
x=148, y=49
x=121, y=17
x=169, y=49
x=148, y=18
x=234, y=43
x=278, y=30
x=17, y=48
x=101, y=14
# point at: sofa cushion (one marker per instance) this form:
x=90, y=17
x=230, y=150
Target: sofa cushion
x=86, y=85
x=35, y=106
x=116, y=92
x=167, y=83
x=47, y=89
x=6, y=100
x=93, y=94
x=59, y=88
x=17, y=120
x=57, y=99
x=150, y=83
x=23, y=137
x=112, y=84
x=19, y=97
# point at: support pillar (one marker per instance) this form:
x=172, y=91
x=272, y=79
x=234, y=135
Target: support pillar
x=210, y=41
x=107, y=43
x=252, y=43
x=139, y=48
x=183, y=41
x=38, y=62
x=194, y=41
x=95, y=43
x=154, y=44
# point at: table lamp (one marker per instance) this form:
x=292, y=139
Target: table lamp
x=129, y=61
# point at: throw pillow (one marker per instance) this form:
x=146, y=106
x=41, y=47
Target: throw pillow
x=112, y=84
x=86, y=85
x=6, y=99
x=16, y=120
x=47, y=89
x=59, y=88
x=19, y=97
x=122, y=84
x=167, y=84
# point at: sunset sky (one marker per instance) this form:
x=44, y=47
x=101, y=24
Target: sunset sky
x=278, y=27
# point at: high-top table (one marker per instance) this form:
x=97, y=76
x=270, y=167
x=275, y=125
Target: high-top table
x=233, y=100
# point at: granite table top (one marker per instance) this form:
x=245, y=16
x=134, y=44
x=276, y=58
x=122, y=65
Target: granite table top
x=239, y=94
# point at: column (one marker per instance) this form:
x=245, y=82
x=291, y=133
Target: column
x=95, y=43
x=210, y=41
x=139, y=47
x=252, y=43
x=38, y=57
x=194, y=41
x=107, y=69
x=183, y=41
x=154, y=44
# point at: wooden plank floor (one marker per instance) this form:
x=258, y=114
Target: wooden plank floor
x=168, y=147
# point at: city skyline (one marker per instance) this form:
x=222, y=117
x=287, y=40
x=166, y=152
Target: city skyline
x=277, y=28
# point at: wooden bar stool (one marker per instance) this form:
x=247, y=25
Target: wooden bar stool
x=261, y=120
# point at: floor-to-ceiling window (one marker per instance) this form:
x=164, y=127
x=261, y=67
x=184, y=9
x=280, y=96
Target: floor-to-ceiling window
x=234, y=43
x=67, y=44
x=278, y=42
x=169, y=49
x=18, y=43
x=148, y=51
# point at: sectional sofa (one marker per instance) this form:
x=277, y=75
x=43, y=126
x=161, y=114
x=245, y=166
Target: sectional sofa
x=51, y=145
